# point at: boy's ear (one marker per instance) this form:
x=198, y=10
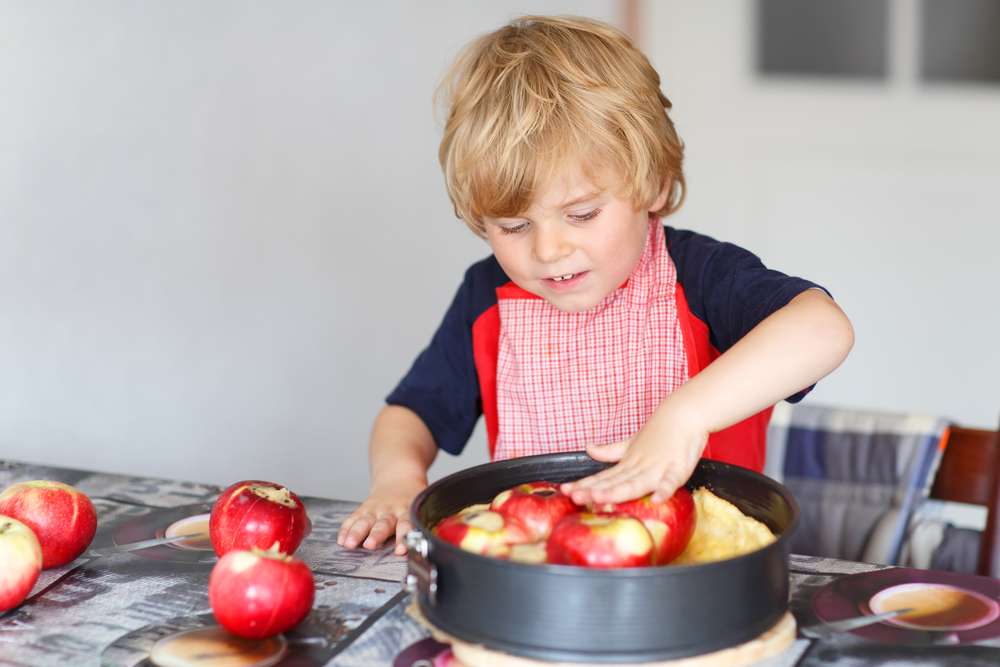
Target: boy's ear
x=661, y=199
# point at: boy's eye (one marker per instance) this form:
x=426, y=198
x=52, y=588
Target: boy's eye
x=583, y=217
x=513, y=229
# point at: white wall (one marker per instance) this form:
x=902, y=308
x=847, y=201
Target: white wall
x=883, y=193
x=224, y=236
x=223, y=230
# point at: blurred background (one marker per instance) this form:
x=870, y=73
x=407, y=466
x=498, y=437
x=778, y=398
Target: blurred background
x=224, y=234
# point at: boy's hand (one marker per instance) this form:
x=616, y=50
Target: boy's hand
x=791, y=349
x=380, y=516
x=650, y=462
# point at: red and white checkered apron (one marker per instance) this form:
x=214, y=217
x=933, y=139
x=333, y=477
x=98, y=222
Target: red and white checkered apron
x=567, y=380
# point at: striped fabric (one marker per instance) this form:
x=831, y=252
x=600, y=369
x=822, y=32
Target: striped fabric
x=858, y=476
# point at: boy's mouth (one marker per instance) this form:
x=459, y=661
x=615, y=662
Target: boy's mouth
x=565, y=281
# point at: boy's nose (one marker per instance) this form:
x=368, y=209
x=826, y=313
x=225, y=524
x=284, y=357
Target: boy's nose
x=550, y=244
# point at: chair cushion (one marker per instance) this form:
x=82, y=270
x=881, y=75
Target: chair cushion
x=944, y=536
x=858, y=476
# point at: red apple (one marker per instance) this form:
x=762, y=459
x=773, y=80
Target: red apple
x=670, y=522
x=479, y=507
x=62, y=517
x=21, y=556
x=258, y=514
x=532, y=553
x=600, y=540
x=536, y=505
x=257, y=593
x=482, y=532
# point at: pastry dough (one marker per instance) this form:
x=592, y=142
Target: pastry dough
x=721, y=531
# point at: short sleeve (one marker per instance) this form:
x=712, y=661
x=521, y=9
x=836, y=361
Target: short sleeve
x=729, y=288
x=442, y=386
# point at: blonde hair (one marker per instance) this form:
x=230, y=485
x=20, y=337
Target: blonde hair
x=543, y=90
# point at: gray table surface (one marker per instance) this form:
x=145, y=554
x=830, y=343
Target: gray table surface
x=109, y=611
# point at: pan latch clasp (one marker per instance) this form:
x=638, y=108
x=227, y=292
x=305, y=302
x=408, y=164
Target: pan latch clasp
x=421, y=574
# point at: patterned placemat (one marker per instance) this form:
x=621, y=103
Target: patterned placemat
x=111, y=610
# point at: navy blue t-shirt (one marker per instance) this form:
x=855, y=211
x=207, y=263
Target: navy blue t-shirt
x=726, y=287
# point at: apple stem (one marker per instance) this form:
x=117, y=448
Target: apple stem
x=274, y=552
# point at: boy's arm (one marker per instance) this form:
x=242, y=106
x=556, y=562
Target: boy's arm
x=401, y=450
x=789, y=350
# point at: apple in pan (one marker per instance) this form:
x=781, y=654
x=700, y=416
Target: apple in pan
x=532, y=553
x=483, y=532
x=671, y=522
x=536, y=505
x=600, y=541
x=478, y=507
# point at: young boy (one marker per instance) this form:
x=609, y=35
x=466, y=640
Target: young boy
x=592, y=326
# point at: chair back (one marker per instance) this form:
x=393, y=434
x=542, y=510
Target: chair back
x=969, y=472
x=858, y=475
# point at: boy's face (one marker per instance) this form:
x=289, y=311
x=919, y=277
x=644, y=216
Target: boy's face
x=575, y=244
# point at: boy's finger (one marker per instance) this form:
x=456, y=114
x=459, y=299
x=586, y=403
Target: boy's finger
x=381, y=529
x=626, y=488
x=610, y=477
x=663, y=492
x=358, y=531
x=599, y=490
x=608, y=453
x=402, y=528
x=595, y=479
x=596, y=491
x=349, y=522
x=633, y=483
x=668, y=485
x=579, y=490
x=344, y=527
